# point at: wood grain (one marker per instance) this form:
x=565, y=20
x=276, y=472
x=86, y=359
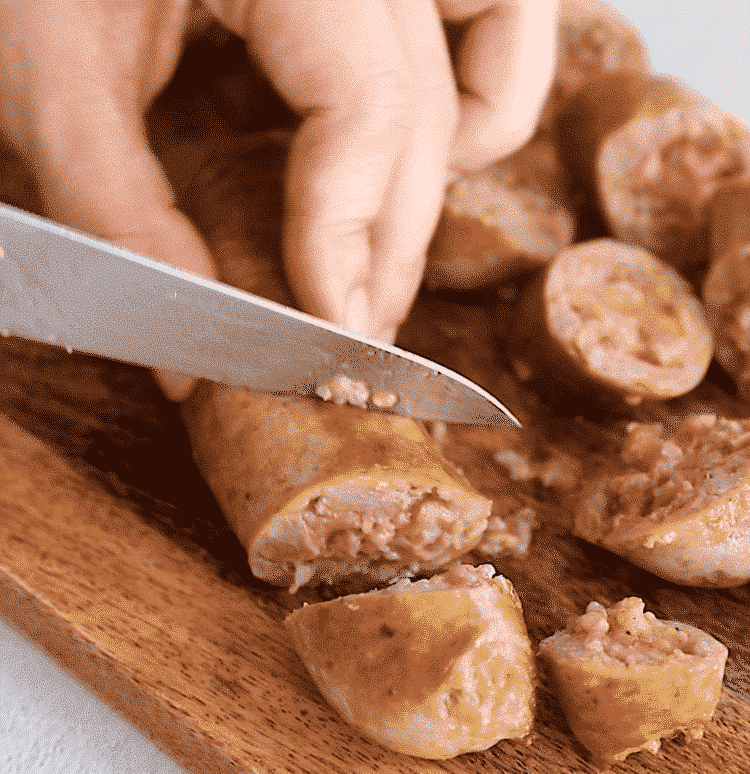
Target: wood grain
x=115, y=558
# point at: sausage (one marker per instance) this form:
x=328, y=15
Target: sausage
x=505, y=219
x=625, y=679
x=317, y=492
x=433, y=668
x=612, y=323
x=652, y=151
x=726, y=286
x=593, y=38
x=678, y=506
x=314, y=491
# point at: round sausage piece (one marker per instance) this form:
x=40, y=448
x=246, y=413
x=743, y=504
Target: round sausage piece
x=508, y=218
x=678, y=506
x=608, y=319
x=432, y=668
x=625, y=679
x=653, y=151
x=593, y=38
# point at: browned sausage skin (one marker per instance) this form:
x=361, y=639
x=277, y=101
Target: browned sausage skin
x=432, y=668
x=625, y=679
x=726, y=287
x=593, y=38
x=317, y=492
x=612, y=323
x=653, y=151
x=508, y=218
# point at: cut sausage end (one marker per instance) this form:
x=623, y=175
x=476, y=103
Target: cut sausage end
x=627, y=320
x=679, y=506
x=625, y=679
x=380, y=530
x=433, y=668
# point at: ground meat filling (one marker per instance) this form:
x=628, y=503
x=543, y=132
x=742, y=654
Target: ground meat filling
x=341, y=389
x=383, y=534
x=628, y=319
x=667, y=169
x=705, y=457
x=625, y=634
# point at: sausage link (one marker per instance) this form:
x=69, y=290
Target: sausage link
x=314, y=491
x=317, y=492
x=610, y=323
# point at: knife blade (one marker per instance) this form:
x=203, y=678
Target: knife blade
x=61, y=286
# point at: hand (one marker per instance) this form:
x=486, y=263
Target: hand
x=383, y=122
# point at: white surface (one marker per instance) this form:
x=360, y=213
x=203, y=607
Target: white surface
x=704, y=42
x=49, y=724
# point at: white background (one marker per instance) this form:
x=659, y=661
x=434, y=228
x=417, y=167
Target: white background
x=51, y=725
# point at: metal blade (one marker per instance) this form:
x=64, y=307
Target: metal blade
x=63, y=287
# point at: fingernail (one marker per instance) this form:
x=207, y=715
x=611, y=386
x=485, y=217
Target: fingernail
x=358, y=311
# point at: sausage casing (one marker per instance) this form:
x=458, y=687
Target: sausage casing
x=653, y=151
x=319, y=492
x=434, y=668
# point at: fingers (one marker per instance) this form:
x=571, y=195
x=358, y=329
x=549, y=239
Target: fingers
x=504, y=67
x=78, y=123
x=366, y=170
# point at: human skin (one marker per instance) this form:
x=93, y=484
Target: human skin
x=387, y=116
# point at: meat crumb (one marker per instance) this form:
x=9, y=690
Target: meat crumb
x=340, y=389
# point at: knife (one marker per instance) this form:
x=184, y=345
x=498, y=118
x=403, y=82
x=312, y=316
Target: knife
x=60, y=286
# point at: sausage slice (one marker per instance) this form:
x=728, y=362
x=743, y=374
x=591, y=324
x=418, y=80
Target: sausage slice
x=609, y=321
x=625, y=679
x=593, y=38
x=678, y=506
x=653, y=151
x=432, y=668
x=512, y=216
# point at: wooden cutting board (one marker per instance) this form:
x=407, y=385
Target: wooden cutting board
x=115, y=559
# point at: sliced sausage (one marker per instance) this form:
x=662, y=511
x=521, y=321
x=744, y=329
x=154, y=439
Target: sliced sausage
x=512, y=216
x=433, y=668
x=726, y=286
x=625, y=679
x=678, y=506
x=314, y=491
x=612, y=323
x=317, y=492
x=593, y=38
x=653, y=152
